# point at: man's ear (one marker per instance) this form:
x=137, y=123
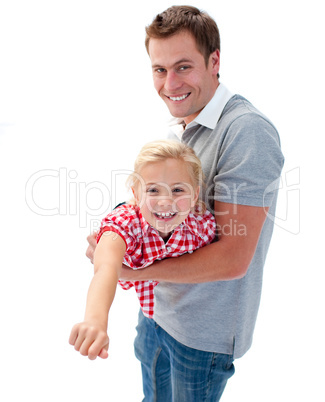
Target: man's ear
x=215, y=60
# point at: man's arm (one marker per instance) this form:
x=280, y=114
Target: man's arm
x=239, y=228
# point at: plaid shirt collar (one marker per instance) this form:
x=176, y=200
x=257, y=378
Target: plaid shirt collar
x=145, y=227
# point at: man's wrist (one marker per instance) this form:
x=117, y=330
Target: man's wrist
x=129, y=274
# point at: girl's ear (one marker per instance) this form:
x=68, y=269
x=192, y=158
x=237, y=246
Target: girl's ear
x=136, y=198
x=196, y=197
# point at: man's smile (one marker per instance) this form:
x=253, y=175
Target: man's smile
x=178, y=98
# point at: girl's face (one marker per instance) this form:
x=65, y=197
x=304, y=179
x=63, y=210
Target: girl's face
x=165, y=194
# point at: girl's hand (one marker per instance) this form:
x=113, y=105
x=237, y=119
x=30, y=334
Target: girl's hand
x=90, y=339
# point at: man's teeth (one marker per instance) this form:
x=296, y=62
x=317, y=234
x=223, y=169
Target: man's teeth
x=178, y=98
x=165, y=214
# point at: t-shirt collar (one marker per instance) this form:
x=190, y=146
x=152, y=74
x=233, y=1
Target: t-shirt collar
x=209, y=116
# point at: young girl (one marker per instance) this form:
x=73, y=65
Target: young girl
x=166, y=220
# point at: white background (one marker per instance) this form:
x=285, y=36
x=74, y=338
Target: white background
x=76, y=103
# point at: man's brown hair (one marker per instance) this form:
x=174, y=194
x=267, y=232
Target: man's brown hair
x=186, y=18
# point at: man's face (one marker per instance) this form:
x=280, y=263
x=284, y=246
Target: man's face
x=181, y=76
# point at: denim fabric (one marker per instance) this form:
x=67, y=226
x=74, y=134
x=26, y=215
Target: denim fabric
x=173, y=372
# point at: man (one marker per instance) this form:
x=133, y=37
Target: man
x=206, y=303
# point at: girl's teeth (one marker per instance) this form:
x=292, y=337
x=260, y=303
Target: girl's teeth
x=165, y=214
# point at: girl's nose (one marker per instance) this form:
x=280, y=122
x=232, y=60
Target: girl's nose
x=165, y=201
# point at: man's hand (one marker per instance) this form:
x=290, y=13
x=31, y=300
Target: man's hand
x=92, y=246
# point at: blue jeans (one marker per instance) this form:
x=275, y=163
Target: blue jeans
x=173, y=372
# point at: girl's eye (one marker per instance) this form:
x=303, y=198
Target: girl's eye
x=178, y=190
x=152, y=190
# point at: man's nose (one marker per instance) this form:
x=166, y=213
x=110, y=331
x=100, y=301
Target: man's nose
x=172, y=82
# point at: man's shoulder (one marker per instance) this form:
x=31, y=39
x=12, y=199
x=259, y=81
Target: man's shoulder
x=239, y=114
x=238, y=106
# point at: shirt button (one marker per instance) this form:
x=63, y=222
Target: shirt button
x=169, y=249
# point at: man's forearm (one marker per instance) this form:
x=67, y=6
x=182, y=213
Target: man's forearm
x=224, y=260
x=210, y=263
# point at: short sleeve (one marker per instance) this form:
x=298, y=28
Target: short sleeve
x=124, y=222
x=250, y=161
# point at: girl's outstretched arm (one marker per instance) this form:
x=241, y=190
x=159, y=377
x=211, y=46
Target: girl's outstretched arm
x=90, y=336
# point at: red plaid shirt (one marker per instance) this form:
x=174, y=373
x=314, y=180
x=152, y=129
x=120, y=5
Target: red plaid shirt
x=144, y=245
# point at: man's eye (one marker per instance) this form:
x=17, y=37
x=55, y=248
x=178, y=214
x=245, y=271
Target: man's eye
x=160, y=70
x=183, y=68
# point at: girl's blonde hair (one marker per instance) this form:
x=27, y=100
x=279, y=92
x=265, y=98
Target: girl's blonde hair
x=157, y=151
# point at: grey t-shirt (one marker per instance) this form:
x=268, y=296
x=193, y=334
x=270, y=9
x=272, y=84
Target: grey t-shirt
x=242, y=161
